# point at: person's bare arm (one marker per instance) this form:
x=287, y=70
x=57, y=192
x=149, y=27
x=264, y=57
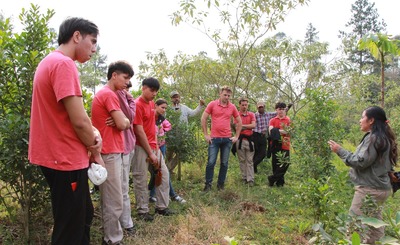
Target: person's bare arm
x=238, y=128
x=80, y=120
x=120, y=120
x=82, y=125
x=249, y=126
x=204, y=118
x=142, y=138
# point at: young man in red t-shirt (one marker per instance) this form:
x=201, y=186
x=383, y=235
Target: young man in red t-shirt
x=147, y=152
x=221, y=112
x=61, y=132
x=105, y=105
x=245, y=145
x=280, y=164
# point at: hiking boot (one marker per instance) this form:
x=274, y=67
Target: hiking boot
x=179, y=199
x=152, y=199
x=207, y=188
x=146, y=217
x=220, y=187
x=164, y=212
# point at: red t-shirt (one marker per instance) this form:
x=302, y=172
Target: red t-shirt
x=276, y=122
x=53, y=142
x=105, y=101
x=145, y=116
x=221, y=118
x=248, y=118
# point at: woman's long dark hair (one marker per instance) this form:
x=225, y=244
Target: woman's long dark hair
x=382, y=134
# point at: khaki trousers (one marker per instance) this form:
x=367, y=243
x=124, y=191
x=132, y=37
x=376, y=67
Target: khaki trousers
x=111, y=198
x=140, y=169
x=245, y=157
x=379, y=196
x=126, y=217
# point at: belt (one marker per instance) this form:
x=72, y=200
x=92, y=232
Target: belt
x=258, y=133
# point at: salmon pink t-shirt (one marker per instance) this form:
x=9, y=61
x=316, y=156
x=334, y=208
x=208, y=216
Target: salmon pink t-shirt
x=221, y=118
x=53, y=142
x=105, y=101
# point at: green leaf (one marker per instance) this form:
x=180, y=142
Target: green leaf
x=376, y=223
x=388, y=240
x=397, y=217
x=355, y=239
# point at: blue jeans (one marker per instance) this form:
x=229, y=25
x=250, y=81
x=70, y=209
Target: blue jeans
x=163, y=150
x=223, y=144
x=172, y=192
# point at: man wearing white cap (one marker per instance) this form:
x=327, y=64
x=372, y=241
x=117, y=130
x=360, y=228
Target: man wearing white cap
x=184, y=110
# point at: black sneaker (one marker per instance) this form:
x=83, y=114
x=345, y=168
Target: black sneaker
x=207, y=188
x=130, y=231
x=109, y=242
x=270, y=181
x=146, y=217
x=220, y=187
x=164, y=212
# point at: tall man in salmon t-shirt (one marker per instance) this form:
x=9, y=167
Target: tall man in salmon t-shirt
x=61, y=132
x=221, y=112
x=105, y=105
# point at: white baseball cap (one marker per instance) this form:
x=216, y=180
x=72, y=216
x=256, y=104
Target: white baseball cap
x=97, y=173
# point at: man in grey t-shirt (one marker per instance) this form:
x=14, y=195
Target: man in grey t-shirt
x=185, y=111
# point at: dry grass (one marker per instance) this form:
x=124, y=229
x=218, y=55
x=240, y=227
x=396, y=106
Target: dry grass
x=252, y=215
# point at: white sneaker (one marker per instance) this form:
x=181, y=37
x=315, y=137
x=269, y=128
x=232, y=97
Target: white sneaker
x=179, y=199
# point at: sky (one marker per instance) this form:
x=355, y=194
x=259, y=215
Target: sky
x=129, y=29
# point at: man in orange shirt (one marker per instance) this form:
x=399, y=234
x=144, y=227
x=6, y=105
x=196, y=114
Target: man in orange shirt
x=245, y=144
x=280, y=164
x=147, y=152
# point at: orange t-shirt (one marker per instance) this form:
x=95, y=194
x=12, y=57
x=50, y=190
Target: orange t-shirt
x=248, y=118
x=53, y=142
x=281, y=123
x=145, y=116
